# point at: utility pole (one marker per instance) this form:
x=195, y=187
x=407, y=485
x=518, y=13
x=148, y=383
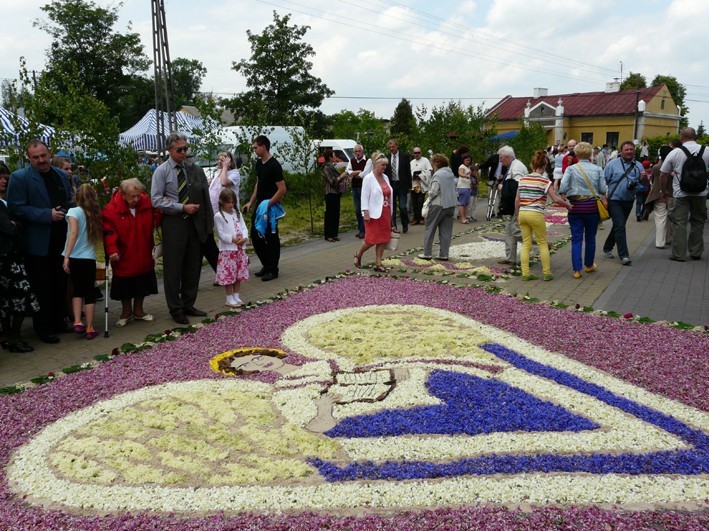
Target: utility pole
x=164, y=92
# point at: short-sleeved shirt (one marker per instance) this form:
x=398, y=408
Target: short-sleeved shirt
x=268, y=175
x=675, y=161
x=532, y=191
x=83, y=248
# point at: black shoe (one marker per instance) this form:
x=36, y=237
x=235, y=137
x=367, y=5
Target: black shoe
x=195, y=312
x=49, y=338
x=405, y=229
x=180, y=319
x=20, y=346
x=99, y=293
x=696, y=257
x=261, y=272
x=269, y=276
x=675, y=259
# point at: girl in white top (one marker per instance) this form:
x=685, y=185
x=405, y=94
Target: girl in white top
x=233, y=263
x=227, y=176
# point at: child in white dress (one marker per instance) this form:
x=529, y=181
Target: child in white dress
x=233, y=263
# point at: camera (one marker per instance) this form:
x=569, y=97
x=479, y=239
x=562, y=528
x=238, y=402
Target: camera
x=632, y=185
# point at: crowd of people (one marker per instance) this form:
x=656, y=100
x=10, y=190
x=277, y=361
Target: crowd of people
x=52, y=225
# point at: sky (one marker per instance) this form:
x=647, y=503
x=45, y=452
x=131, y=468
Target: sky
x=372, y=53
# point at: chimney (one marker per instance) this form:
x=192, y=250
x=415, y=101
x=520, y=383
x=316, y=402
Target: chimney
x=541, y=92
x=613, y=86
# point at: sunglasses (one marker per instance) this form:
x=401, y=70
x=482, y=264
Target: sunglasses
x=417, y=152
x=182, y=149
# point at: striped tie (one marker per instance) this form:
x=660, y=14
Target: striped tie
x=183, y=192
x=394, y=169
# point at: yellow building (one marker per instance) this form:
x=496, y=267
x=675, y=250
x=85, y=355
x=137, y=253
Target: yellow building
x=607, y=117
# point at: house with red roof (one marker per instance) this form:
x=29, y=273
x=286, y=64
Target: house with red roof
x=604, y=117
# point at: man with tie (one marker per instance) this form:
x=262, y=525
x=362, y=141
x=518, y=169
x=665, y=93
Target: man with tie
x=180, y=190
x=399, y=172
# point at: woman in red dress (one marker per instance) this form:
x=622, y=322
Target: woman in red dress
x=377, y=211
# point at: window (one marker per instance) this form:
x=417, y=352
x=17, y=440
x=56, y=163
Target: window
x=587, y=137
x=662, y=103
x=612, y=138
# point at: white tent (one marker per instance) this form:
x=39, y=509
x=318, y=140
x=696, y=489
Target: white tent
x=143, y=135
x=8, y=123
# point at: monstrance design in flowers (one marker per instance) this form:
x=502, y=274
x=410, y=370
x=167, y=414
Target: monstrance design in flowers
x=388, y=406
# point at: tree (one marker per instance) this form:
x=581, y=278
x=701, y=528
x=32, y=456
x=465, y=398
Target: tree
x=187, y=75
x=452, y=125
x=278, y=76
x=403, y=121
x=363, y=126
x=83, y=125
x=634, y=81
x=678, y=92
x=84, y=42
x=531, y=137
x=701, y=130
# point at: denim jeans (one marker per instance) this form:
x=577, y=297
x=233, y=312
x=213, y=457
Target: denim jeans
x=583, y=227
x=619, y=211
x=357, y=198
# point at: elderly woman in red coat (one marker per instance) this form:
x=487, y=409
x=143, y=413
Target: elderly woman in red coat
x=128, y=223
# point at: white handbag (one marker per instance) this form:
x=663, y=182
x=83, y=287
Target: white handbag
x=393, y=242
x=426, y=206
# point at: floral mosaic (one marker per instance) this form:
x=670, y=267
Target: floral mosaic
x=441, y=403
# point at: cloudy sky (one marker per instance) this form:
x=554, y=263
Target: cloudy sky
x=372, y=53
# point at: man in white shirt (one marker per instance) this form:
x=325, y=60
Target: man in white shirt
x=687, y=206
x=421, y=172
x=517, y=170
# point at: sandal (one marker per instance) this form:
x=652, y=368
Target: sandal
x=380, y=269
x=358, y=261
x=146, y=317
x=122, y=322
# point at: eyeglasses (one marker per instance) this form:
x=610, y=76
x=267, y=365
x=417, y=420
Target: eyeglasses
x=182, y=149
x=417, y=152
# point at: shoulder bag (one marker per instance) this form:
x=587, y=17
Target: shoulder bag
x=602, y=210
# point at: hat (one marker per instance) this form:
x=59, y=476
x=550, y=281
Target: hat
x=646, y=164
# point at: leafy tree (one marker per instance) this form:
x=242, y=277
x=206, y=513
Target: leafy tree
x=403, y=121
x=531, y=137
x=85, y=43
x=634, y=81
x=83, y=125
x=187, y=76
x=363, y=126
x=452, y=125
x=10, y=96
x=678, y=92
x=278, y=75
x=207, y=140
x=701, y=130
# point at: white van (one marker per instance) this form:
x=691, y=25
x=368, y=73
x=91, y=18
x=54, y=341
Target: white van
x=280, y=136
x=342, y=147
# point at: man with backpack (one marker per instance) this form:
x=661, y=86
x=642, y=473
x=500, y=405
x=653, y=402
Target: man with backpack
x=686, y=169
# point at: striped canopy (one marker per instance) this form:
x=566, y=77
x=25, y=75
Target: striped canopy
x=143, y=135
x=10, y=136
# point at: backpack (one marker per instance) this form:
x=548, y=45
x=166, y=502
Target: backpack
x=693, y=179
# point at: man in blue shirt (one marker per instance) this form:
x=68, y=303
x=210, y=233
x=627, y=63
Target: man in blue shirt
x=622, y=177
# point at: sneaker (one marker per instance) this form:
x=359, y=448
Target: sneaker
x=425, y=257
x=547, y=278
x=577, y=274
x=626, y=261
x=608, y=254
x=91, y=334
x=79, y=328
x=530, y=277
x=592, y=268
x=237, y=301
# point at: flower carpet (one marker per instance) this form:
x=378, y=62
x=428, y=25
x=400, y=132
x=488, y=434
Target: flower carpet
x=375, y=403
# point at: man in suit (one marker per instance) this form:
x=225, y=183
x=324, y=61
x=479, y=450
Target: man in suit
x=39, y=197
x=399, y=172
x=180, y=190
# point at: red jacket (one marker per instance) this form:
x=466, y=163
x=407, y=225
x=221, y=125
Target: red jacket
x=130, y=237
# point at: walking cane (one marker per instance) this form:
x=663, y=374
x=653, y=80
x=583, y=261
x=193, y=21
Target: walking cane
x=105, y=300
